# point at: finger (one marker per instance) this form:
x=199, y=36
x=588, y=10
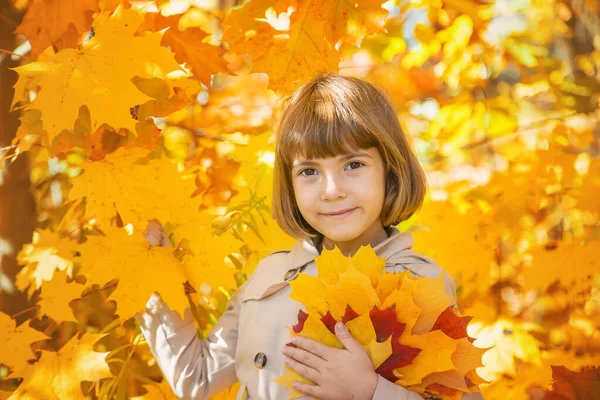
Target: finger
x=303, y=370
x=305, y=357
x=344, y=335
x=311, y=390
x=317, y=348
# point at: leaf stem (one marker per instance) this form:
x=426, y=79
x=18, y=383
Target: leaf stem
x=24, y=311
x=13, y=53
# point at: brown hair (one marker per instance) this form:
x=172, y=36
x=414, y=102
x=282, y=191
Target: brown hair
x=332, y=115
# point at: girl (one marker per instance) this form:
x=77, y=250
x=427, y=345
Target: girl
x=344, y=176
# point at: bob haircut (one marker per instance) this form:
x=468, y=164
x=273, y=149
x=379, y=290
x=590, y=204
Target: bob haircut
x=332, y=115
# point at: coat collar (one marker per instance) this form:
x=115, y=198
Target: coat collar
x=394, y=248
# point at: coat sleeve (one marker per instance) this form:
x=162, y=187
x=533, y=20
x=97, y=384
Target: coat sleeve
x=386, y=390
x=194, y=368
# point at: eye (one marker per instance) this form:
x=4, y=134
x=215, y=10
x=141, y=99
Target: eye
x=355, y=163
x=307, y=169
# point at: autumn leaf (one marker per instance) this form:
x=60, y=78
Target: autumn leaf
x=142, y=269
x=58, y=374
x=202, y=58
x=16, y=350
x=47, y=253
x=56, y=295
x=365, y=16
x=574, y=385
x=91, y=80
x=135, y=190
x=290, y=53
x=546, y=266
x=47, y=24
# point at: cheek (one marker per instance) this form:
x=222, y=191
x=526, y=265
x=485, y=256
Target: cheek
x=302, y=196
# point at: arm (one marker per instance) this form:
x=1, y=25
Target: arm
x=194, y=368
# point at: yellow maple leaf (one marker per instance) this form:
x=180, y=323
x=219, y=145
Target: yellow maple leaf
x=409, y=312
x=431, y=297
x=142, y=269
x=353, y=289
x=137, y=191
x=518, y=387
x=57, y=375
x=56, y=295
x=435, y=356
x=366, y=17
x=47, y=252
x=313, y=329
x=88, y=75
x=548, y=265
x=16, y=340
x=208, y=252
x=509, y=348
x=363, y=332
x=311, y=291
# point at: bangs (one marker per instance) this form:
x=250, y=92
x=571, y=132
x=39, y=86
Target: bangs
x=325, y=130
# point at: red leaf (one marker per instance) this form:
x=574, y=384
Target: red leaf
x=386, y=324
x=302, y=316
x=349, y=315
x=468, y=382
x=570, y=385
x=329, y=322
x=451, y=324
x=403, y=355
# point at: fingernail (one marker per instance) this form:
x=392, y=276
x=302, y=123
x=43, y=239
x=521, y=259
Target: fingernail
x=340, y=326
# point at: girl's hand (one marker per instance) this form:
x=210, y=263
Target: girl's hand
x=337, y=374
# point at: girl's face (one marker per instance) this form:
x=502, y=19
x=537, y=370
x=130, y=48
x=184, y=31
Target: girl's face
x=354, y=182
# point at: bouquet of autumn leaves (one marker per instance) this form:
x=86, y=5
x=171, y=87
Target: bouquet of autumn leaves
x=406, y=324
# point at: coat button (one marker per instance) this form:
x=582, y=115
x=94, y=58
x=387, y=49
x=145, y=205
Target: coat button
x=291, y=275
x=260, y=360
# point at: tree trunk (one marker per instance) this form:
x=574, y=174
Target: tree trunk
x=17, y=206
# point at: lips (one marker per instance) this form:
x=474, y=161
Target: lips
x=341, y=213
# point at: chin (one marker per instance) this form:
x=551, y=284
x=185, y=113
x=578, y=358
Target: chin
x=341, y=234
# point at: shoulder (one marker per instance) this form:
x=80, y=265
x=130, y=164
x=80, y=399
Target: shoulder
x=269, y=271
x=417, y=264
x=273, y=261
x=420, y=266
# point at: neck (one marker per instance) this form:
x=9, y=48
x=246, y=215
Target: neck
x=350, y=247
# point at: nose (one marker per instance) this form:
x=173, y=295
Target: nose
x=332, y=188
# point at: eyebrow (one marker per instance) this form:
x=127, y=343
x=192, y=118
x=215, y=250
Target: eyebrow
x=343, y=158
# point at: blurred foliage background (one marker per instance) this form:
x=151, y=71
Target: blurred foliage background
x=138, y=136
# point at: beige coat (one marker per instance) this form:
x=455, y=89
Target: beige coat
x=254, y=327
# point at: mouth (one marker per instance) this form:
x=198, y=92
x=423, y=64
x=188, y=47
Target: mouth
x=340, y=215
